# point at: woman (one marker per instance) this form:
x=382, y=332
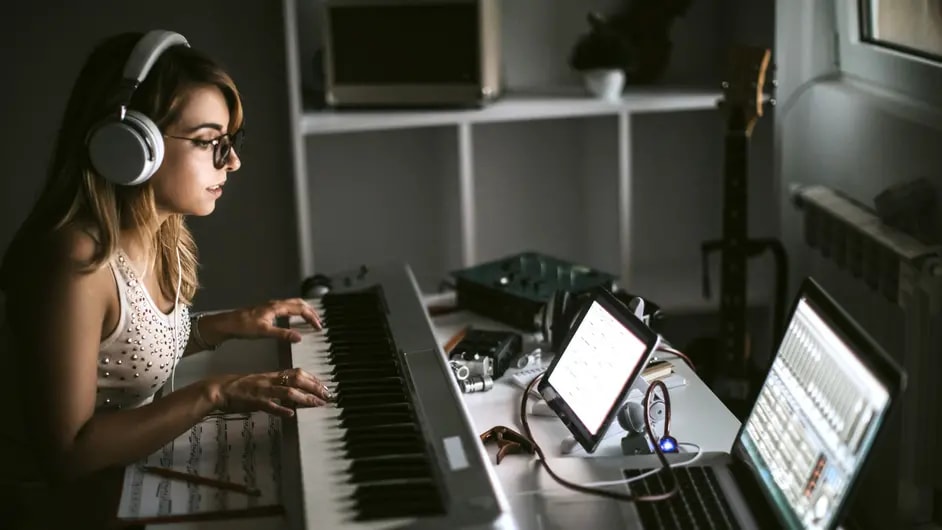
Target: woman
x=99, y=277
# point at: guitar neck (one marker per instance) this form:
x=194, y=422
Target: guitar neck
x=733, y=277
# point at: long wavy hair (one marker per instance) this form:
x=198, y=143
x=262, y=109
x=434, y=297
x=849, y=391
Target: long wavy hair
x=75, y=193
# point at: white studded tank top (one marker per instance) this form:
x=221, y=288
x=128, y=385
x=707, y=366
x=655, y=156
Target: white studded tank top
x=139, y=356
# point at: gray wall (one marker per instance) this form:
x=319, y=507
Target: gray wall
x=248, y=246
x=836, y=130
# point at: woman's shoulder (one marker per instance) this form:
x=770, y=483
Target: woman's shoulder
x=72, y=249
x=76, y=243
x=65, y=263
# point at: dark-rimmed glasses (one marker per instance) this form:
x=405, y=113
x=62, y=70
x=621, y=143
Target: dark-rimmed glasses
x=222, y=145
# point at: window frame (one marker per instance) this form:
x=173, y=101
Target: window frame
x=905, y=73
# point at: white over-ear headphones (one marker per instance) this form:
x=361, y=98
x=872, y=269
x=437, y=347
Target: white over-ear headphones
x=127, y=148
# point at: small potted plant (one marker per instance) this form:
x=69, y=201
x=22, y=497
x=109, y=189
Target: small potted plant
x=601, y=56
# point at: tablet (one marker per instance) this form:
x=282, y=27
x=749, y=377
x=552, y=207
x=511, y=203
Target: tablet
x=605, y=349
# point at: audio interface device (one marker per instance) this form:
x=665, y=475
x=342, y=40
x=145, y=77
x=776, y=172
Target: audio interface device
x=514, y=289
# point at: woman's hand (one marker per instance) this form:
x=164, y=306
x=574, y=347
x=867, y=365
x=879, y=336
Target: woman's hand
x=257, y=322
x=277, y=393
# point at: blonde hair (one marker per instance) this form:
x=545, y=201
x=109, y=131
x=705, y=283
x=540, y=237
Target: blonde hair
x=75, y=194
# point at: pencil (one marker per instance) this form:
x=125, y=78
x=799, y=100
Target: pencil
x=450, y=345
x=199, y=479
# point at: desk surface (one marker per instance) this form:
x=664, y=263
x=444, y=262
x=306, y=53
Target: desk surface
x=698, y=416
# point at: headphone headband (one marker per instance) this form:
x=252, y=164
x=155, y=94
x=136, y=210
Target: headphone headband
x=128, y=148
x=147, y=50
x=144, y=54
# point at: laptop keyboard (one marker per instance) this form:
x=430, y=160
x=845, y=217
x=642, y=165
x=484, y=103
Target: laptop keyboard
x=697, y=503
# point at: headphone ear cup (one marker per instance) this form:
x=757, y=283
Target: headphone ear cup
x=126, y=152
x=631, y=417
x=657, y=410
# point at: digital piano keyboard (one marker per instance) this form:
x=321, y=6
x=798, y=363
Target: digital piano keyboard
x=397, y=449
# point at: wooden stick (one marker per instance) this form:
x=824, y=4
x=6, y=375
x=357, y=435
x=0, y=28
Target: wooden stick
x=450, y=345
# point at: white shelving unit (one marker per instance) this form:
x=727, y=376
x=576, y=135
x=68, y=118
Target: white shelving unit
x=521, y=106
x=555, y=171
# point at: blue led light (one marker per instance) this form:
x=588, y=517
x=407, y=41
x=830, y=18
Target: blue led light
x=668, y=444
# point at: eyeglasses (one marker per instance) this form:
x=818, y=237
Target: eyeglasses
x=222, y=145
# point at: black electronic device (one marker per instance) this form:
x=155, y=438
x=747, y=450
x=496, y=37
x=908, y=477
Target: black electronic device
x=604, y=352
x=499, y=346
x=317, y=285
x=515, y=289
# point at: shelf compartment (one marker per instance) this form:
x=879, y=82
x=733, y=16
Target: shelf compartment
x=519, y=106
x=549, y=186
x=378, y=196
x=677, y=170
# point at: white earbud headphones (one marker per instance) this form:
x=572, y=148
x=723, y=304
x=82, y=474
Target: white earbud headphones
x=126, y=148
x=176, y=322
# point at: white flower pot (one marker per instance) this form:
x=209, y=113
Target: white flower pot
x=604, y=84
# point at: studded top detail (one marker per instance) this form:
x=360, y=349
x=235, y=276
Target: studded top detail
x=136, y=360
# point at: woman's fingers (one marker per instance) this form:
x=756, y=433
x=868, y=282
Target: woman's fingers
x=298, y=378
x=306, y=384
x=271, y=407
x=299, y=307
x=294, y=396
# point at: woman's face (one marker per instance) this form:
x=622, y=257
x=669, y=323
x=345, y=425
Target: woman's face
x=187, y=182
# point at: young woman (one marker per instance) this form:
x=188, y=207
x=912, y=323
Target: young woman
x=99, y=278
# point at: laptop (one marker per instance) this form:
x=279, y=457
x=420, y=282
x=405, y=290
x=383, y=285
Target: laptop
x=797, y=455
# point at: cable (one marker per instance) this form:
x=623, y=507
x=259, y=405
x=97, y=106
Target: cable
x=176, y=322
x=784, y=107
x=674, y=351
x=646, y=403
x=595, y=491
x=625, y=481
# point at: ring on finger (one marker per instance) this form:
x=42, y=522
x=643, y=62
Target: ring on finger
x=283, y=378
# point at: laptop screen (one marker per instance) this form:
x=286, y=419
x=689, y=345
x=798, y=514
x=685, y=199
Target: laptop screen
x=814, y=419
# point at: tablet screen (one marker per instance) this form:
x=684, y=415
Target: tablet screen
x=604, y=352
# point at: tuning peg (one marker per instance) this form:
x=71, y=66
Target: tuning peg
x=724, y=85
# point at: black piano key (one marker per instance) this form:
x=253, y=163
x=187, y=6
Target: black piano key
x=381, y=469
x=400, y=509
x=384, y=418
x=394, y=491
x=388, y=404
x=389, y=434
x=368, y=450
x=384, y=367
x=374, y=431
x=363, y=373
x=383, y=384
x=396, y=499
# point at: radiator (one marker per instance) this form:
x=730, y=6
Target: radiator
x=892, y=284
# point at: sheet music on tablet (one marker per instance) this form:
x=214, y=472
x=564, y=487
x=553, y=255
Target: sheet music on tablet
x=591, y=373
x=238, y=448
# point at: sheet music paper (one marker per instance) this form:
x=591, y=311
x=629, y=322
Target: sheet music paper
x=239, y=448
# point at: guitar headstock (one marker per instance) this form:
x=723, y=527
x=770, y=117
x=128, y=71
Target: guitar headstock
x=742, y=91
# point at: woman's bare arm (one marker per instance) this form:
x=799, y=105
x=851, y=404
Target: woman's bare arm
x=59, y=327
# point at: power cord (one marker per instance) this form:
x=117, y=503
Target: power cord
x=621, y=482
x=663, y=347
x=665, y=465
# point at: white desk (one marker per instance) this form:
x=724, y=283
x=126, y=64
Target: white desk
x=698, y=417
